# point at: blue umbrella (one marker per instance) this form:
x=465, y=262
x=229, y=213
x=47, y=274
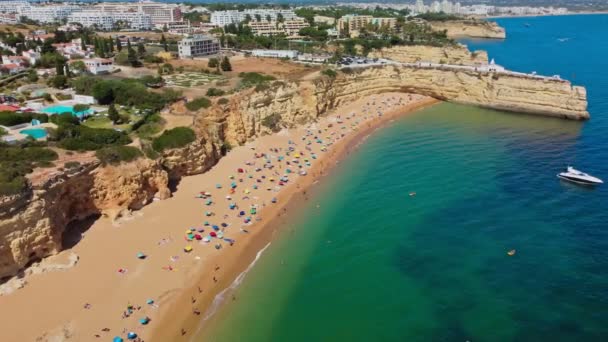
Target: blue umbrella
x=117, y=339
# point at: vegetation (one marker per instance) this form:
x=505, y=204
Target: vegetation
x=215, y=92
x=116, y=154
x=223, y=101
x=225, y=65
x=12, y=119
x=196, y=104
x=173, y=138
x=150, y=126
x=329, y=73
x=127, y=92
x=250, y=79
x=18, y=161
x=83, y=138
x=212, y=63
x=439, y=16
x=272, y=121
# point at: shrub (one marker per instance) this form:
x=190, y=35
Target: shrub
x=250, y=79
x=63, y=97
x=116, y=154
x=196, y=104
x=215, y=92
x=79, y=138
x=81, y=108
x=262, y=87
x=173, y=138
x=18, y=161
x=329, y=73
x=213, y=63
x=272, y=121
x=223, y=101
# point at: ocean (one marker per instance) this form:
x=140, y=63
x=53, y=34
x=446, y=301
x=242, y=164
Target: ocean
x=366, y=261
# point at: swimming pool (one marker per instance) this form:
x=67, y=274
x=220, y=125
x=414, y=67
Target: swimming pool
x=59, y=109
x=36, y=133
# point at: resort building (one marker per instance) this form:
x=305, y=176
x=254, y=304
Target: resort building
x=98, y=66
x=107, y=21
x=290, y=28
x=275, y=53
x=159, y=13
x=8, y=6
x=177, y=27
x=354, y=23
x=198, y=45
x=223, y=18
x=48, y=14
x=9, y=18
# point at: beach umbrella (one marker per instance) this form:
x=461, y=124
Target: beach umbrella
x=198, y=237
x=189, y=231
x=218, y=186
x=241, y=213
x=224, y=224
x=188, y=249
x=274, y=200
x=117, y=339
x=150, y=301
x=206, y=239
x=206, y=223
x=131, y=335
x=212, y=234
x=141, y=255
x=144, y=320
x=215, y=227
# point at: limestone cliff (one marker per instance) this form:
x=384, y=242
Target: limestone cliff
x=32, y=223
x=469, y=28
x=456, y=54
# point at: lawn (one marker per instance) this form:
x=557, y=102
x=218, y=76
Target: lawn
x=191, y=79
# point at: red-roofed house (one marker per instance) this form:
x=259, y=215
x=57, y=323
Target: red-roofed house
x=19, y=60
x=7, y=108
x=11, y=69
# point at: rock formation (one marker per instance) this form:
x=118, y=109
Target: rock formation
x=469, y=28
x=456, y=54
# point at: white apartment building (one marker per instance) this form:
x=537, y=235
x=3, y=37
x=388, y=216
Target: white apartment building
x=98, y=66
x=198, y=45
x=223, y=18
x=48, y=14
x=160, y=13
x=106, y=21
x=8, y=6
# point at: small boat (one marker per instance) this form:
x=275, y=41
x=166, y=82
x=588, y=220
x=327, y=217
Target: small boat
x=576, y=176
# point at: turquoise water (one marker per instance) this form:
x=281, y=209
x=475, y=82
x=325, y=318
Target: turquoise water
x=36, y=133
x=375, y=264
x=59, y=109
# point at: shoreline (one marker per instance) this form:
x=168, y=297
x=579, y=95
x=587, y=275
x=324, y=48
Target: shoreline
x=176, y=318
x=90, y=299
x=543, y=15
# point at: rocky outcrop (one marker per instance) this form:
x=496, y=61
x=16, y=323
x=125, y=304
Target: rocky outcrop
x=454, y=54
x=504, y=91
x=469, y=28
x=32, y=224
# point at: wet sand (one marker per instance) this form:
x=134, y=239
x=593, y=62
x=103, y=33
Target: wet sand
x=109, y=277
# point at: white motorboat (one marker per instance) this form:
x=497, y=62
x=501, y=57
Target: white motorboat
x=573, y=175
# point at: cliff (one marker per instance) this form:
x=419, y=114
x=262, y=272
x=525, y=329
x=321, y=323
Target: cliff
x=32, y=224
x=469, y=28
x=456, y=54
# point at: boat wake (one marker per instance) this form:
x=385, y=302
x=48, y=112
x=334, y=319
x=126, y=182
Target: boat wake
x=219, y=298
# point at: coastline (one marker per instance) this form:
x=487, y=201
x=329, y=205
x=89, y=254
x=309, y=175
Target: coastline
x=543, y=15
x=176, y=317
x=90, y=298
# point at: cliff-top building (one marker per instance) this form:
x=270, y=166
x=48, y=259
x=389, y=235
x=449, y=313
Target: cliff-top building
x=198, y=45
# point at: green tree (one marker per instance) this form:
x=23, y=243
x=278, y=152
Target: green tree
x=59, y=68
x=132, y=57
x=141, y=50
x=67, y=70
x=163, y=42
x=212, y=63
x=118, y=44
x=280, y=18
x=59, y=81
x=268, y=18
x=113, y=114
x=83, y=46
x=226, y=66
x=258, y=18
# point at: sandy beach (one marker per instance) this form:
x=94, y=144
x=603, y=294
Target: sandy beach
x=157, y=272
